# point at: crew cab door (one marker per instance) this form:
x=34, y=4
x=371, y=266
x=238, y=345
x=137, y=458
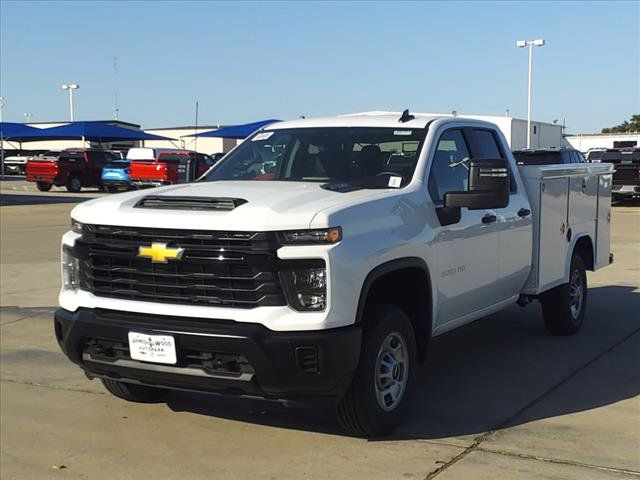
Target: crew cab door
x=513, y=223
x=466, y=247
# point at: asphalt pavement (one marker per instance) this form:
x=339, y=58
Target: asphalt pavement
x=497, y=399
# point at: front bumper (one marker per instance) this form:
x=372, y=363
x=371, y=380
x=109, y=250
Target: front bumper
x=235, y=358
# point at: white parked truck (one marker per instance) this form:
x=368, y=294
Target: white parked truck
x=319, y=258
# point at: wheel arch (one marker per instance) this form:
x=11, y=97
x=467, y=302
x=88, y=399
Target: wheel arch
x=583, y=245
x=414, y=297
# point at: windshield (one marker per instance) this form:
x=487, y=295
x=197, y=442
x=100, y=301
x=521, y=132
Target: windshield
x=364, y=157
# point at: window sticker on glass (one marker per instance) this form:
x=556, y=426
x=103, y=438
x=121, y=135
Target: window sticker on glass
x=402, y=132
x=394, y=182
x=261, y=136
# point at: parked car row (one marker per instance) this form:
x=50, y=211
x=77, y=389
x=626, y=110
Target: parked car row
x=107, y=169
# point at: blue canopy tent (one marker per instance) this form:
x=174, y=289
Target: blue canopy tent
x=236, y=131
x=15, y=132
x=96, y=131
x=91, y=131
x=18, y=132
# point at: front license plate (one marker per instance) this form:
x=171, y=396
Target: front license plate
x=152, y=348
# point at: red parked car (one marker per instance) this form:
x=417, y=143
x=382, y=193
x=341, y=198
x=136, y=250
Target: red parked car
x=161, y=166
x=74, y=168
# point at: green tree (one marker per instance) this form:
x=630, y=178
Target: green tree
x=624, y=127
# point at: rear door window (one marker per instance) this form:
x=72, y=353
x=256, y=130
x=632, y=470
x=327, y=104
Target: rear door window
x=485, y=145
x=74, y=157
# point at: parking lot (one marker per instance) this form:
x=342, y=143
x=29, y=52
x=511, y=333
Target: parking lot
x=499, y=398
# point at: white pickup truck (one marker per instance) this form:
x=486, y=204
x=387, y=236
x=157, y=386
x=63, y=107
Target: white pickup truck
x=317, y=260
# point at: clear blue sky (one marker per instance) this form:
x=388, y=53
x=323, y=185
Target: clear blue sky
x=247, y=61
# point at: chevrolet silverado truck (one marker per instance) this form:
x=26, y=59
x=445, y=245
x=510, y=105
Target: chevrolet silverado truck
x=318, y=259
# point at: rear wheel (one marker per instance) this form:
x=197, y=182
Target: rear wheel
x=43, y=187
x=111, y=189
x=74, y=184
x=564, y=307
x=135, y=393
x=377, y=398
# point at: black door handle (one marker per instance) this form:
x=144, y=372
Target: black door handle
x=524, y=212
x=488, y=218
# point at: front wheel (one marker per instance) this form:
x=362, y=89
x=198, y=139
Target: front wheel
x=564, y=307
x=43, y=187
x=134, y=392
x=74, y=184
x=377, y=398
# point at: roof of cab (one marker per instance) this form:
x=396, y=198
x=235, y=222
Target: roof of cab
x=376, y=119
x=365, y=119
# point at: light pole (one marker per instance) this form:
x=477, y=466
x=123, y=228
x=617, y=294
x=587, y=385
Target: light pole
x=521, y=44
x=71, y=87
x=1, y=107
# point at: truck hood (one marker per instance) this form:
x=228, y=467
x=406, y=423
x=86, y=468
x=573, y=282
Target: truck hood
x=269, y=205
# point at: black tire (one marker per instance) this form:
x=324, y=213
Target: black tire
x=135, y=393
x=44, y=187
x=562, y=310
x=111, y=189
x=74, y=184
x=360, y=412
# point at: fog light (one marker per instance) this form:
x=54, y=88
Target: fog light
x=70, y=270
x=306, y=289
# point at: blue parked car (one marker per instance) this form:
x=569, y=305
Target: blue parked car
x=115, y=175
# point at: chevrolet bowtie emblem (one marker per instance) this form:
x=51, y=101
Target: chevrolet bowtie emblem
x=159, y=253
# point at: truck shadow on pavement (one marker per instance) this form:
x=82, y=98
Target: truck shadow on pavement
x=7, y=199
x=501, y=371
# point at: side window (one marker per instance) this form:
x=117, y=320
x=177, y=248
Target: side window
x=486, y=146
x=449, y=169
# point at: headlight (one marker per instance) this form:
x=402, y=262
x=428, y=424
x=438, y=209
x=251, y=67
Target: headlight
x=310, y=237
x=306, y=288
x=70, y=270
x=76, y=226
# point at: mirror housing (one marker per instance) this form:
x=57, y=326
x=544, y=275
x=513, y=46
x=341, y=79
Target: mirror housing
x=489, y=186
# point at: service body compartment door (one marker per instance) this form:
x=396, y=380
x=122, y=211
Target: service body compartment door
x=583, y=199
x=553, y=232
x=603, y=222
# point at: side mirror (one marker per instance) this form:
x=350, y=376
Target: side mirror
x=488, y=186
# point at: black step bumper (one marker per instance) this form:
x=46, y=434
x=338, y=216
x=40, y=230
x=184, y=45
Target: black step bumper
x=304, y=366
